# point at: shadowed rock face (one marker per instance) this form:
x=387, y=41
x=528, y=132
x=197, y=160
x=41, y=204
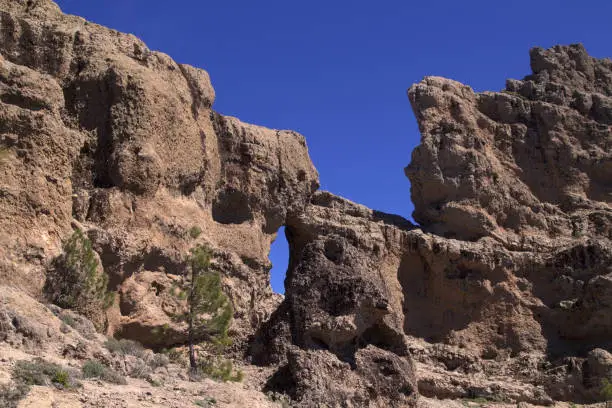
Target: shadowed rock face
x=502, y=291
x=508, y=275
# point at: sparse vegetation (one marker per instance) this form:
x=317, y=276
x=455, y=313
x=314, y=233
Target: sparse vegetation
x=68, y=320
x=146, y=362
x=478, y=401
x=158, y=360
x=41, y=372
x=220, y=369
x=125, y=347
x=61, y=378
x=606, y=390
x=11, y=394
x=175, y=355
x=95, y=369
x=4, y=153
x=141, y=370
x=74, y=281
x=282, y=399
x=154, y=382
x=208, y=313
x=79, y=323
x=195, y=232
x=208, y=402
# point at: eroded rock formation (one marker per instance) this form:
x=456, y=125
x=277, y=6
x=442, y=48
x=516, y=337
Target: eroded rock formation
x=502, y=291
x=528, y=166
x=100, y=132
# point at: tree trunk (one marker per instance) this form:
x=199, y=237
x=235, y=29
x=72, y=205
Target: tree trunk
x=192, y=357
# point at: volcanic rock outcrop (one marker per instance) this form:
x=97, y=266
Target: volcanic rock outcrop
x=502, y=291
x=529, y=166
x=102, y=133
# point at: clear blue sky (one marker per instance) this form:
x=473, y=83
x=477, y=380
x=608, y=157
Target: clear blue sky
x=337, y=71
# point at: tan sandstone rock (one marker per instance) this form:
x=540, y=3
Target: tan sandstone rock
x=501, y=293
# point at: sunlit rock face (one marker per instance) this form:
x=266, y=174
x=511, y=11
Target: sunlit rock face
x=101, y=133
x=501, y=291
x=507, y=273
x=528, y=166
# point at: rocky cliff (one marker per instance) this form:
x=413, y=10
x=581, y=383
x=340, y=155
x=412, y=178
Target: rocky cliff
x=503, y=290
x=102, y=133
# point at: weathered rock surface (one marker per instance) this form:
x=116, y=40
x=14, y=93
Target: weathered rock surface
x=504, y=289
x=502, y=292
x=100, y=132
x=479, y=320
x=30, y=330
x=528, y=166
x=526, y=170
x=341, y=310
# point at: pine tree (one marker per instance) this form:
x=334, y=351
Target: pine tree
x=209, y=312
x=75, y=282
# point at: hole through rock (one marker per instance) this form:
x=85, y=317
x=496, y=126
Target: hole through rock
x=279, y=256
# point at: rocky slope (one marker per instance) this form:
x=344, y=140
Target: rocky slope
x=502, y=292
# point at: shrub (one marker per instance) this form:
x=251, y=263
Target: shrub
x=74, y=281
x=158, y=360
x=95, y=369
x=606, y=390
x=140, y=370
x=220, y=369
x=62, y=378
x=11, y=394
x=4, y=154
x=195, y=231
x=41, y=372
x=113, y=377
x=67, y=323
x=208, y=402
x=78, y=323
x=175, y=355
x=147, y=360
x=125, y=347
x=36, y=372
x=154, y=382
x=282, y=399
x=69, y=320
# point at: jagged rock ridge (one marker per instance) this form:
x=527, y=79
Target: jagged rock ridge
x=503, y=290
x=528, y=166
